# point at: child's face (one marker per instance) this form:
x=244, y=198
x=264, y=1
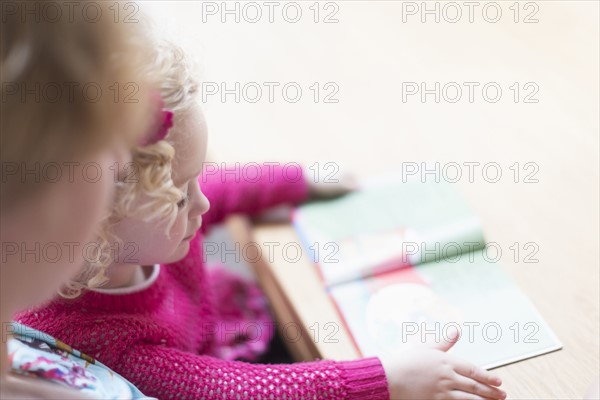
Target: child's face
x=147, y=243
x=46, y=234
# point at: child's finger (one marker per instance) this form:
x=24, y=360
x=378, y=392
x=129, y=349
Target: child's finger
x=478, y=388
x=444, y=345
x=350, y=182
x=476, y=373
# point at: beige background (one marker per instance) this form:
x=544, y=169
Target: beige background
x=369, y=53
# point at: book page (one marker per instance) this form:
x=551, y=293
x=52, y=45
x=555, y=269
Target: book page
x=421, y=305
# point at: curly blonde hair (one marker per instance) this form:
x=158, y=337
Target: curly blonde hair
x=152, y=168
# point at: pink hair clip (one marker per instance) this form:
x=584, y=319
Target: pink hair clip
x=164, y=122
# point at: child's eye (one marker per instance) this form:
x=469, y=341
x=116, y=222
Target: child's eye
x=183, y=202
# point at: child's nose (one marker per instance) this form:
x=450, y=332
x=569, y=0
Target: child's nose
x=200, y=206
x=205, y=204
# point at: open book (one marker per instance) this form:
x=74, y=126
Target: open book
x=406, y=264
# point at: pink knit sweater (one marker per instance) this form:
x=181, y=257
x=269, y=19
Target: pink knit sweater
x=162, y=338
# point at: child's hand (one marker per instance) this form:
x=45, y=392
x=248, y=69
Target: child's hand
x=433, y=374
x=324, y=184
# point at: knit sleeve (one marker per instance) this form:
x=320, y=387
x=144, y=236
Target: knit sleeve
x=168, y=373
x=250, y=188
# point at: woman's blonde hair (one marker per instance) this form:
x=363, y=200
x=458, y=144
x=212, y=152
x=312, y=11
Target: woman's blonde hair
x=48, y=114
x=151, y=195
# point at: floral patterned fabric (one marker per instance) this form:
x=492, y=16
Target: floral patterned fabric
x=38, y=355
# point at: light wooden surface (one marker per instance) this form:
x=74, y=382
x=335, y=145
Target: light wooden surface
x=298, y=296
x=369, y=54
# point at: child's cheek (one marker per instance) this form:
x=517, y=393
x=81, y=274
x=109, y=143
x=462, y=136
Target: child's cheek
x=148, y=243
x=179, y=246
x=178, y=231
x=169, y=242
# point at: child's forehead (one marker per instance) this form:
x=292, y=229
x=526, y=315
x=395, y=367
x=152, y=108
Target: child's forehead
x=189, y=139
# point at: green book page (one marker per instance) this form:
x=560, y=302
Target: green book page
x=387, y=226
